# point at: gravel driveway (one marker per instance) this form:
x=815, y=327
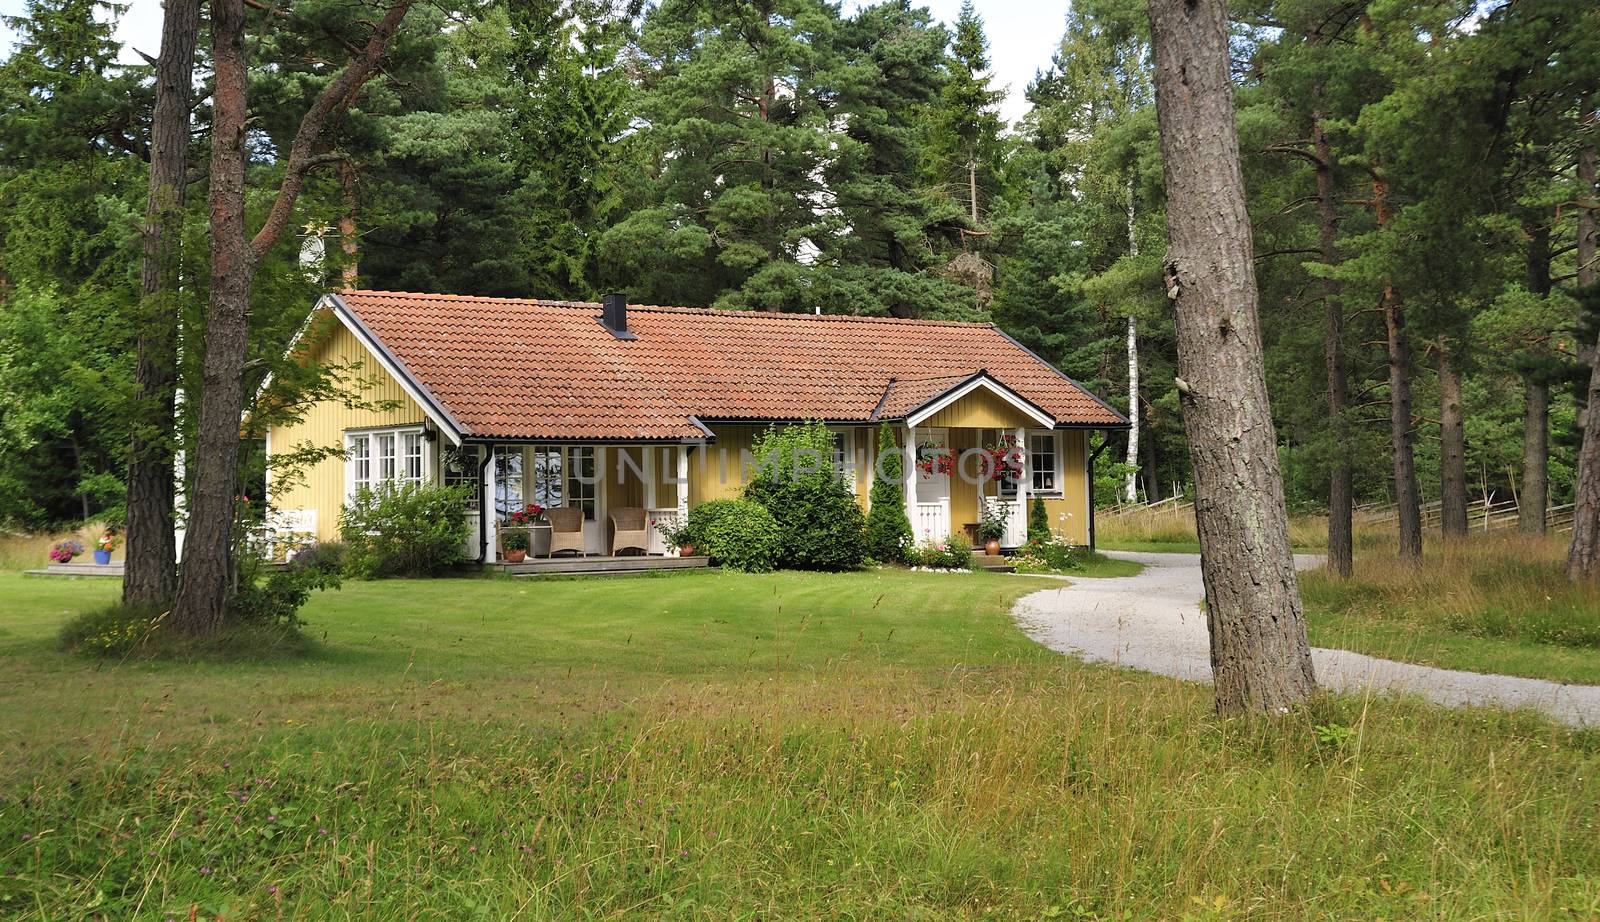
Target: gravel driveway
x=1153, y=622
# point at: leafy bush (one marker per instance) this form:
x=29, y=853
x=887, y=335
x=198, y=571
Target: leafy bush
x=888, y=530
x=992, y=520
x=1047, y=556
x=738, y=534
x=515, y=540
x=406, y=531
x=277, y=599
x=821, y=524
x=953, y=553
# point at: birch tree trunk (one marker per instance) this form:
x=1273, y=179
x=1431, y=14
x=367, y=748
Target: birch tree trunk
x=1452, y=450
x=1132, y=486
x=151, y=559
x=1583, y=555
x=1260, y=659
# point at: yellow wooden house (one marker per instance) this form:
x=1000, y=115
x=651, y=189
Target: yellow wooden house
x=608, y=406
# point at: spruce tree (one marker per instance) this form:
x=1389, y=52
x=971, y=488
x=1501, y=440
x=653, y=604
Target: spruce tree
x=888, y=527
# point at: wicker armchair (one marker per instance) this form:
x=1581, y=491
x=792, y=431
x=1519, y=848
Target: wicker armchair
x=566, y=530
x=630, y=528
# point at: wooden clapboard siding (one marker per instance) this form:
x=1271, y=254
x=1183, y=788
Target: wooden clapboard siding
x=980, y=409
x=321, y=487
x=1069, y=513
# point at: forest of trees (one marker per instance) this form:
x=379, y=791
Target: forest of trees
x=1420, y=181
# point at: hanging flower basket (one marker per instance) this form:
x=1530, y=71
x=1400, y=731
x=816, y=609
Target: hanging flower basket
x=933, y=458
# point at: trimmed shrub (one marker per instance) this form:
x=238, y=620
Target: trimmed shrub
x=821, y=524
x=888, y=533
x=1047, y=556
x=1038, y=521
x=406, y=531
x=736, y=533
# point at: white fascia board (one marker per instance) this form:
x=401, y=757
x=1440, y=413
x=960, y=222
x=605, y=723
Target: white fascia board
x=984, y=381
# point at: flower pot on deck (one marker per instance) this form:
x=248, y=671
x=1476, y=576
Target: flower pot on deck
x=102, y=557
x=685, y=550
x=516, y=556
x=992, y=547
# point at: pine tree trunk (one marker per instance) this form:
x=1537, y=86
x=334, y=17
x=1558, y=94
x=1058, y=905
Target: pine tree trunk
x=150, y=559
x=1341, y=492
x=208, y=565
x=1407, y=495
x=1532, y=505
x=1535, y=458
x=1583, y=555
x=1452, y=450
x=1260, y=659
x=350, y=274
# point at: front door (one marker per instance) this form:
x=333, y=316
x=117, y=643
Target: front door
x=933, y=486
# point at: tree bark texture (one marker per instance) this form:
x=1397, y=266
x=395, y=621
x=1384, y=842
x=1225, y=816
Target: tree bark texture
x=1341, y=491
x=208, y=563
x=1452, y=450
x=1583, y=555
x=207, y=575
x=1260, y=659
x=350, y=272
x=1533, y=503
x=1407, y=494
x=151, y=558
x=1131, y=487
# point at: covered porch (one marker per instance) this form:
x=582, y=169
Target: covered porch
x=602, y=483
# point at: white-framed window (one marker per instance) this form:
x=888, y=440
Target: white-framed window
x=583, y=482
x=845, y=456
x=375, y=457
x=1044, y=461
x=460, y=467
x=547, y=485
x=509, y=496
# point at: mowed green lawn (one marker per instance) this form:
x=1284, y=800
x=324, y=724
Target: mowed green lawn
x=715, y=745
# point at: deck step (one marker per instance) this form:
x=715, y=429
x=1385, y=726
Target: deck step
x=110, y=570
x=994, y=563
x=595, y=566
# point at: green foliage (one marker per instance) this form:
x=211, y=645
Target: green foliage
x=275, y=599
x=404, y=531
x=953, y=553
x=1038, y=521
x=1048, y=555
x=795, y=479
x=738, y=534
x=888, y=529
x=515, y=540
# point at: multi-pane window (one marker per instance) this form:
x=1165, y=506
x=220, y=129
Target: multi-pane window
x=376, y=458
x=582, y=480
x=1043, y=461
x=386, y=456
x=844, y=456
x=460, y=467
x=411, y=457
x=508, y=493
x=548, y=485
x=360, y=461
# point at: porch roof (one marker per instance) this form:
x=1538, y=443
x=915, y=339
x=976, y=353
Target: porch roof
x=522, y=369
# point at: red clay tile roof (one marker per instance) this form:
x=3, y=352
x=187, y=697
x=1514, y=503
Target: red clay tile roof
x=548, y=369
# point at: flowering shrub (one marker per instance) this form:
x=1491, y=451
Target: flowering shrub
x=64, y=551
x=1047, y=555
x=109, y=541
x=933, y=457
x=952, y=553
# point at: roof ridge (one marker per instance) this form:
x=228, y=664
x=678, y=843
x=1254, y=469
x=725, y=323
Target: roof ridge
x=668, y=308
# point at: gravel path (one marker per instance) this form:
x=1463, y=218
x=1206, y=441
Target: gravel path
x=1153, y=622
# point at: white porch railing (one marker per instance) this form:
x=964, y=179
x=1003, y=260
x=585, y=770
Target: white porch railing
x=932, y=521
x=1016, y=516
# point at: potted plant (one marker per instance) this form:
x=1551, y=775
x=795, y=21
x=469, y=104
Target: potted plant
x=992, y=526
x=108, y=542
x=676, y=534
x=64, y=551
x=516, y=545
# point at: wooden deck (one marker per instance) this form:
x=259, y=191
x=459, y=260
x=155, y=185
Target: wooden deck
x=112, y=569
x=601, y=566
